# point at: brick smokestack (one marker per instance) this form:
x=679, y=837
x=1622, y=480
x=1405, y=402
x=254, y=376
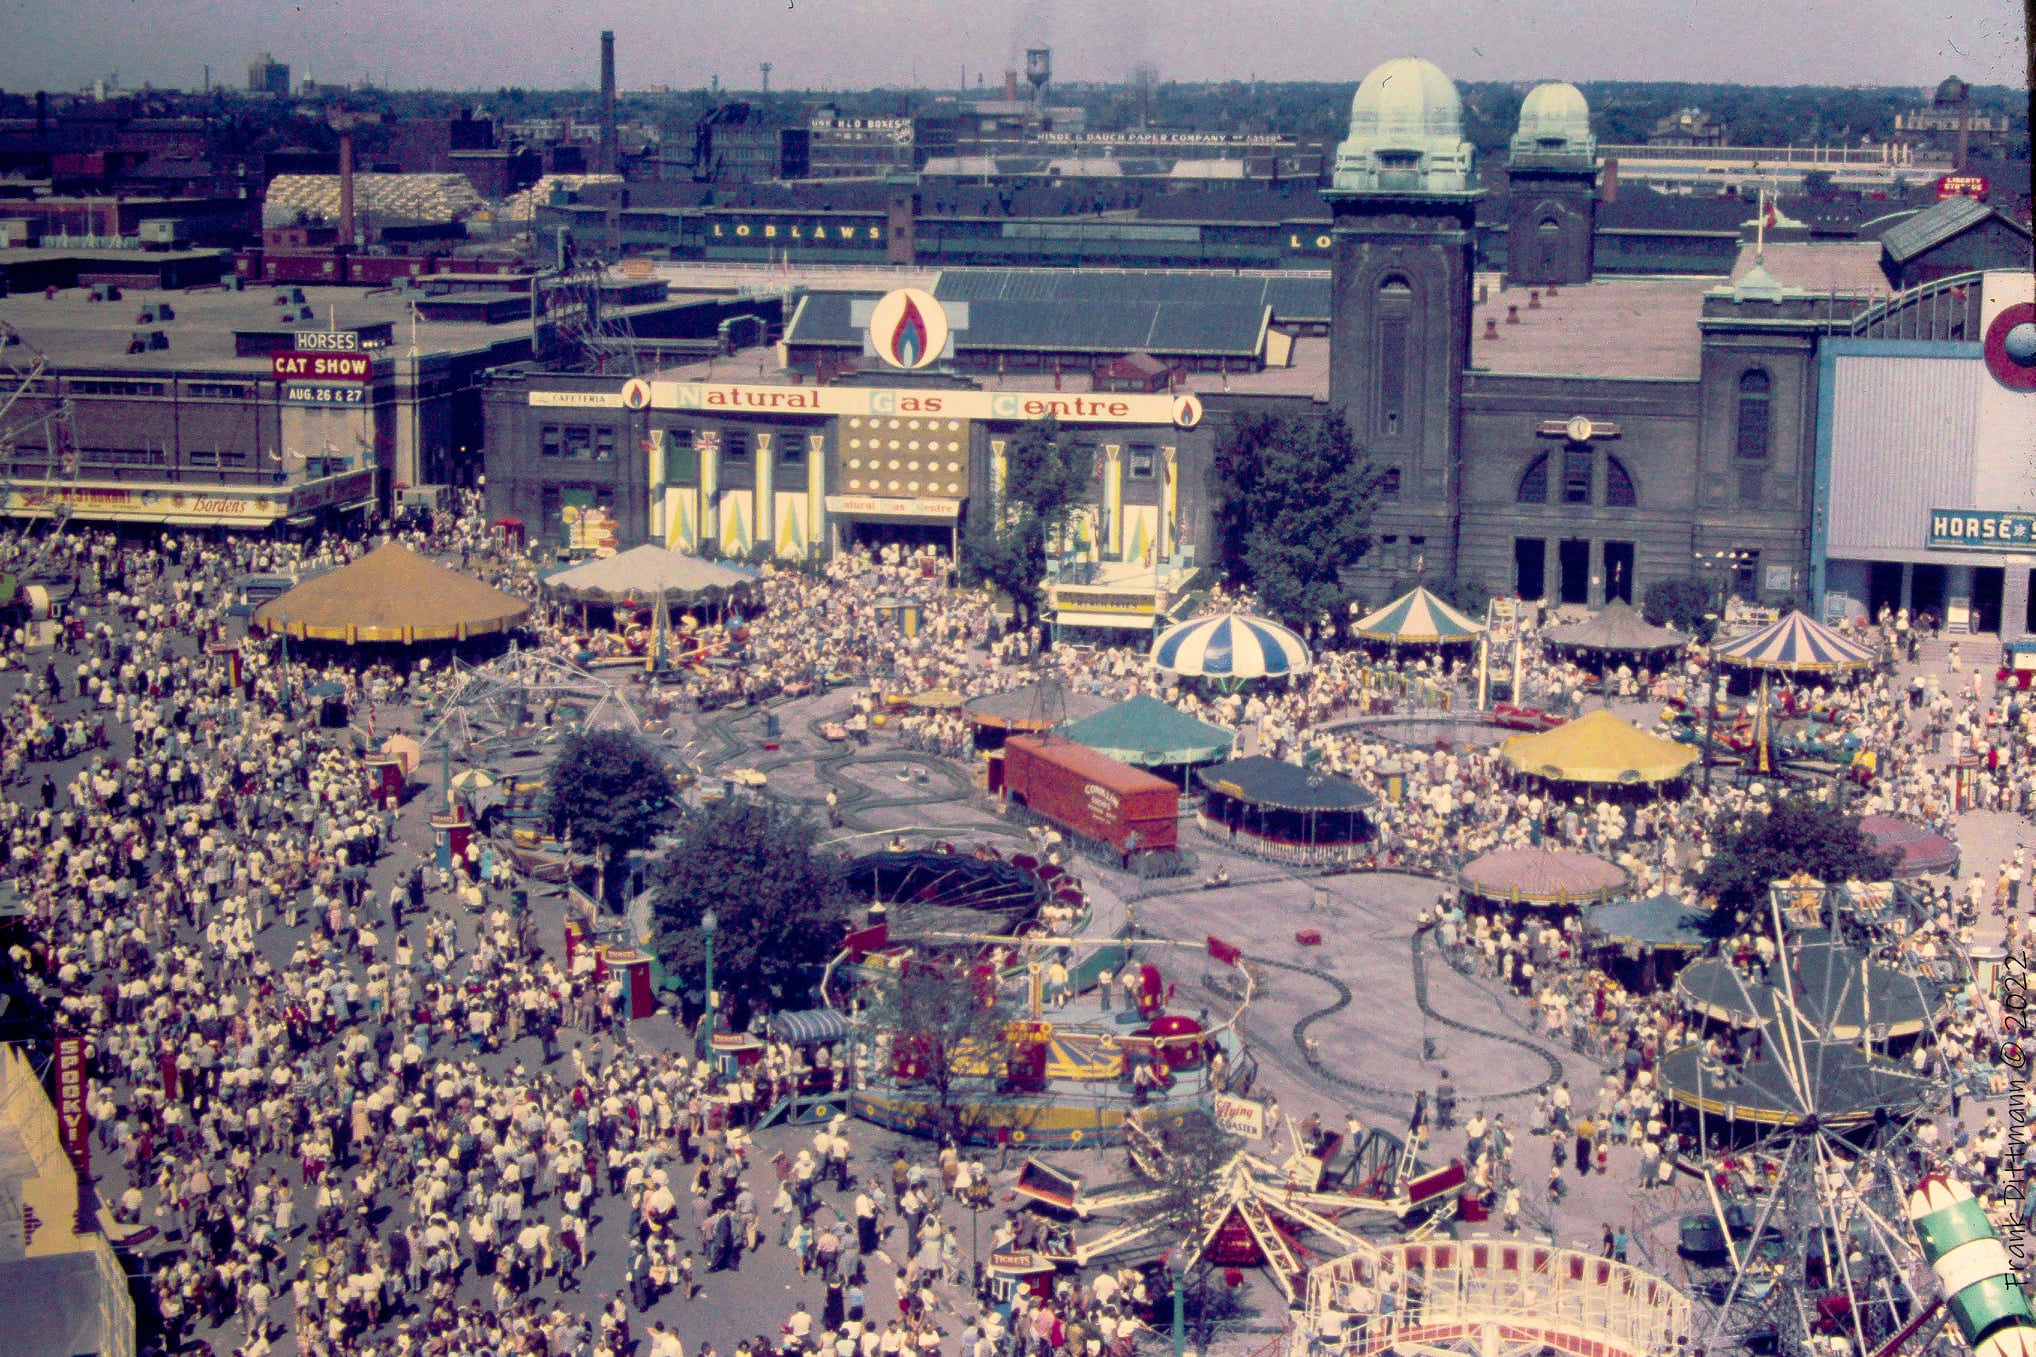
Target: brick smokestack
x=346, y=222
x=610, y=147
x=1011, y=87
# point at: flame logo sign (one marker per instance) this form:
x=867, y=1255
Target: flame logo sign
x=908, y=328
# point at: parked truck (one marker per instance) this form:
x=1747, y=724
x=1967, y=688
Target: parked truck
x=1091, y=795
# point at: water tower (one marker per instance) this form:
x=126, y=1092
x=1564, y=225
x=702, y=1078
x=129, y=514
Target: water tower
x=1038, y=70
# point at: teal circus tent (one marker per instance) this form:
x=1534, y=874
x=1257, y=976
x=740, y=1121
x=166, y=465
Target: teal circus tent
x=1230, y=646
x=1796, y=643
x=1418, y=618
x=1146, y=732
x=1660, y=921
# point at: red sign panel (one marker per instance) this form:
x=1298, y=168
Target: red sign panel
x=74, y=1127
x=1963, y=185
x=322, y=367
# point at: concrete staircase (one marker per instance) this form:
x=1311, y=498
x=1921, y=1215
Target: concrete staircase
x=1981, y=647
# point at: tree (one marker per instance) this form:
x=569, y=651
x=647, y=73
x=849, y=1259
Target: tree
x=1682, y=604
x=609, y=788
x=781, y=905
x=1467, y=594
x=951, y=1033
x=1297, y=497
x=1046, y=480
x=1800, y=834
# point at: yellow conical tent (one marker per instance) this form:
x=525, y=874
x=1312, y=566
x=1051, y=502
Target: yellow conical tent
x=1598, y=747
x=391, y=594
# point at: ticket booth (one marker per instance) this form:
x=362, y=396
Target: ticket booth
x=449, y=835
x=634, y=967
x=229, y=651
x=1015, y=1271
x=386, y=777
x=902, y=613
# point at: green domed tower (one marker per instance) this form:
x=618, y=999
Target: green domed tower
x=1405, y=203
x=1552, y=210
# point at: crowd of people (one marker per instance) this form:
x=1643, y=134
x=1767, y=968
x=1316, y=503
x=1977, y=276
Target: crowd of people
x=379, y=1117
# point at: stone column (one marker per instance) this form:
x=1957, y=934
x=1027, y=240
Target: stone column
x=766, y=499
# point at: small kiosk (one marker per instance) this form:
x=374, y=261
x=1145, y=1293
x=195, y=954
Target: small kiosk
x=638, y=999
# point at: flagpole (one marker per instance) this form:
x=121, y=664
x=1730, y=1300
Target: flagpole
x=1760, y=228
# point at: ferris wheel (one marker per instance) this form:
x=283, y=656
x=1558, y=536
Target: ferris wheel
x=1807, y=1105
x=38, y=454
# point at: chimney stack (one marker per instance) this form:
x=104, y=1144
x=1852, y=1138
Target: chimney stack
x=610, y=147
x=1011, y=87
x=346, y=224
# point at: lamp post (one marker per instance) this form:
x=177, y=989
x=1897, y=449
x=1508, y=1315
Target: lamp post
x=1709, y=563
x=285, y=621
x=1180, y=1311
x=709, y=924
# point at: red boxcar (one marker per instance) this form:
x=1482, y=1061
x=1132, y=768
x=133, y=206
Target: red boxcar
x=1090, y=793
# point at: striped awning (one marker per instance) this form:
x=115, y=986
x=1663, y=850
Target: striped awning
x=808, y=1025
x=1797, y=642
x=1418, y=618
x=1230, y=646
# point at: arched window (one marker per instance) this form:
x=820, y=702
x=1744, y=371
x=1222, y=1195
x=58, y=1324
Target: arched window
x=1534, y=482
x=1753, y=407
x=1395, y=309
x=1619, y=493
x=1389, y=483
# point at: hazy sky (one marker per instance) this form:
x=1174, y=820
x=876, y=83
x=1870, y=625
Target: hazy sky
x=482, y=44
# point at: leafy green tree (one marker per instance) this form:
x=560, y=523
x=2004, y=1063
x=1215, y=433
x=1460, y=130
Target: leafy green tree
x=952, y=1033
x=609, y=789
x=1005, y=540
x=1682, y=604
x=1049, y=472
x=1297, y=497
x=781, y=904
x=1467, y=594
x=1799, y=834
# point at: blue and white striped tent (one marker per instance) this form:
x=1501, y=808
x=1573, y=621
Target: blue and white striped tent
x=1796, y=643
x=1230, y=646
x=1418, y=618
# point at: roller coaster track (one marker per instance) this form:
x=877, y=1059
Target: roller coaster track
x=854, y=800
x=1342, y=1001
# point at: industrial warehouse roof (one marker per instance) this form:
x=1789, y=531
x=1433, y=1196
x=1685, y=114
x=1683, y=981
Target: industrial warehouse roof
x=1299, y=297
x=1086, y=326
x=1933, y=226
x=76, y=332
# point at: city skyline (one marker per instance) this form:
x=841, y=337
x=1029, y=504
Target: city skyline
x=823, y=44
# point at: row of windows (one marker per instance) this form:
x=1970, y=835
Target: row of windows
x=582, y=442
x=1576, y=472
x=597, y=443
